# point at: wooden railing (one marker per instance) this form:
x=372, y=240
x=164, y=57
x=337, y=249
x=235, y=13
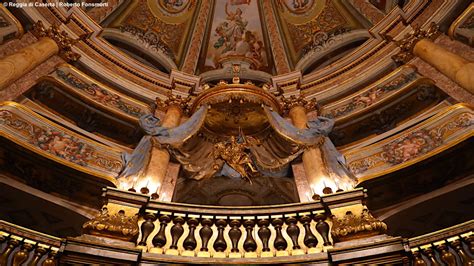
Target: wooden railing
x=21, y=246
x=450, y=246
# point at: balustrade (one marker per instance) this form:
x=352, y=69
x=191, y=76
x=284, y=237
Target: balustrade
x=172, y=229
x=450, y=246
x=21, y=246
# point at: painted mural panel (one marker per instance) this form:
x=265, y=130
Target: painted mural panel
x=236, y=33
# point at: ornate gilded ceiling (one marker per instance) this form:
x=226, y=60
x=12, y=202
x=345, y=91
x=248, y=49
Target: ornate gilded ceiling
x=242, y=31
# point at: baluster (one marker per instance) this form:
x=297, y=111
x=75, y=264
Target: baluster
x=147, y=227
x=309, y=239
x=418, y=259
x=159, y=240
x=459, y=249
x=446, y=256
x=3, y=237
x=469, y=241
x=431, y=257
x=190, y=241
x=177, y=231
x=293, y=231
x=22, y=254
x=51, y=259
x=280, y=242
x=264, y=234
x=39, y=252
x=249, y=244
x=205, y=233
x=235, y=234
x=220, y=245
x=323, y=228
x=11, y=245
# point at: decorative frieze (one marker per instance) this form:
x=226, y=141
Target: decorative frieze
x=36, y=133
x=438, y=133
x=99, y=94
x=374, y=94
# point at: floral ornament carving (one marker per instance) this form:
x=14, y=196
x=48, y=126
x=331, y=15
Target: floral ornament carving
x=117, y=226
x=293, y=101
x=352, y=226
x=323, y=40
x=100, y=95
x=329, y=21
x=411, y=146
x=149, y=37
x=409, y=41
x=64, y=42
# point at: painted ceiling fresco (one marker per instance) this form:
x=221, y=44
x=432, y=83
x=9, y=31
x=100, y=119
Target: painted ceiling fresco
x=236, y=32
x=165, y=24
x=301, y=20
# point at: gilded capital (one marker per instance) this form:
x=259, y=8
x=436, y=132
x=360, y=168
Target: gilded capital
x=64, y=42
x=181, y=102
x=294, y=101
x=408, y=42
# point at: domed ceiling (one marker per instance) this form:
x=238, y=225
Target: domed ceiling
x=162, y=33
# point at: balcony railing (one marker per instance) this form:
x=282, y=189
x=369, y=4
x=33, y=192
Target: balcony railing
x=21, y=246
x=450, y=246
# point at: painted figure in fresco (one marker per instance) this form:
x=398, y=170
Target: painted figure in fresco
x=235, y=39
x=231, y=31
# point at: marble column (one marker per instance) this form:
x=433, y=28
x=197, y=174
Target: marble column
x=458, y=69
x=313, y=163
x=50, y=42
x=16, y=65
x=160, y=157
x=419, y=43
